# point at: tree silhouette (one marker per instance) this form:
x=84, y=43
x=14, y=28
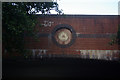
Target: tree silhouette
x=17, y=18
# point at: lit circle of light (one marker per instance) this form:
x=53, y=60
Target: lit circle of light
x=63, y=36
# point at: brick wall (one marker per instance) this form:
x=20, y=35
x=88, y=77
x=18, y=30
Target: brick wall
x=93, y=32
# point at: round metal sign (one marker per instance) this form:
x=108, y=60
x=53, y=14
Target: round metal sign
x=63, y=35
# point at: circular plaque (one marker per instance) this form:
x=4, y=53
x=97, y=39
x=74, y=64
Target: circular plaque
x=63, y=35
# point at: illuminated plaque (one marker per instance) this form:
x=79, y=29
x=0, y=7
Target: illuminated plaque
x=63, y=36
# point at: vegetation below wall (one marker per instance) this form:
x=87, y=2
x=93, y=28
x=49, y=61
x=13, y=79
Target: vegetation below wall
x=116, y=39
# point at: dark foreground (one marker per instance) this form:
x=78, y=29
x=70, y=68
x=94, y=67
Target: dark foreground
x=47, y=68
